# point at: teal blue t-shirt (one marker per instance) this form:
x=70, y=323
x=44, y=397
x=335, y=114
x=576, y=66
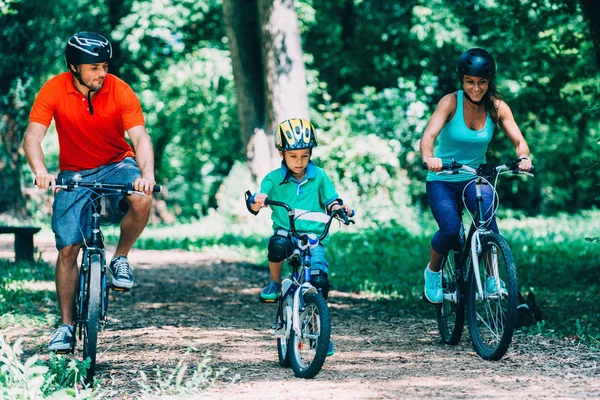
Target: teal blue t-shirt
x=457, y=141
x=313, y=193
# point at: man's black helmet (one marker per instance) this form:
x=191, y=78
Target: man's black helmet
x=476, y=62
x=87, y=48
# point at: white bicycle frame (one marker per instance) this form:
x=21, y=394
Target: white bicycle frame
x=475, y=245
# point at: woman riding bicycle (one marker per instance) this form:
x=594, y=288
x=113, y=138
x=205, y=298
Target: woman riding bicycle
x=464, y=121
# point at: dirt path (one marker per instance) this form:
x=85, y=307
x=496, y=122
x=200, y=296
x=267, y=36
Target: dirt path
x=184, y=299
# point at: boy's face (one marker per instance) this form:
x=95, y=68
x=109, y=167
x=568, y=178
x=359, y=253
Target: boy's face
x=296, y=160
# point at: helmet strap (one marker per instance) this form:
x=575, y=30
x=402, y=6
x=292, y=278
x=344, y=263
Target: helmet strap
x=477, y=103
x=77, y=76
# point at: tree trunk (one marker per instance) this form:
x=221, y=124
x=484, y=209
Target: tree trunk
x=591, y=11
x=242, y=27
x=269, y=73
x=285, y=74
x=11, y=200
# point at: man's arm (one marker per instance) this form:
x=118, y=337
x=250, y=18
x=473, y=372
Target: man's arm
x=32, y=144
x=144, y=155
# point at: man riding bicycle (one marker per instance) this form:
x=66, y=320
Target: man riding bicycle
x=92, y=109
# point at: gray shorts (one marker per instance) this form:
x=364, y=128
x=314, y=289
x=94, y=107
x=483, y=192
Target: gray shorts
x=72, y=211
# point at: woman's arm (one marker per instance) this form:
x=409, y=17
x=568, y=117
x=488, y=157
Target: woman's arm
x=443, y=112
x=510, y=127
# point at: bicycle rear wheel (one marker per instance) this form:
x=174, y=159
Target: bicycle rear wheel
x=308, y=351
x=492, y=314
x=92, y=314
x=451, y=312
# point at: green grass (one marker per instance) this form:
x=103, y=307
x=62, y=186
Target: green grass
x=27, y=295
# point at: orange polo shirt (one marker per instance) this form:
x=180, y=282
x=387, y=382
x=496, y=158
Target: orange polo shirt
x=88, y=141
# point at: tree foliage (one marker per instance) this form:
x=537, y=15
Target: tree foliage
x=375, y=70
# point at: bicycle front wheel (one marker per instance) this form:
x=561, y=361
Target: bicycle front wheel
x=451, y=312
x=282, y=342
x=308, y=350
x=492, y=312
x=92, y=314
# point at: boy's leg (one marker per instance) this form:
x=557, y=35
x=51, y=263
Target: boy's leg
x=275, y=270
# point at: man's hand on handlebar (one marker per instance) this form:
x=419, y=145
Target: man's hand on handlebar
x=145, y=185
x=44, y=180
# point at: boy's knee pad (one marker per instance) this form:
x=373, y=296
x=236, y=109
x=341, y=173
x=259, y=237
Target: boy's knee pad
x=320, y=282
x=280, y=248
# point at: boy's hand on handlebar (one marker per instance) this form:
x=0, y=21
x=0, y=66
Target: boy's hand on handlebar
x=433, y=164
x=259, y=200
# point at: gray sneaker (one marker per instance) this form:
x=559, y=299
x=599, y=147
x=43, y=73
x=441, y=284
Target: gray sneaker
x=121, y=273
x=61, y=339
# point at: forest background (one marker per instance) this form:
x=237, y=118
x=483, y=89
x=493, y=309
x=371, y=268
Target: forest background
x=214, y=78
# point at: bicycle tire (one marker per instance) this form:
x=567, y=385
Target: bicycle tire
x=92, y=314
x=451, y=312
x=283, y=343
x=492, y=317
x=307, y=353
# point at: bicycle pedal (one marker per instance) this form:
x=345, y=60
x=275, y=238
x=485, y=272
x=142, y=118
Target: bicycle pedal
x=119, y=289
x=70, y=351
x=267, y=300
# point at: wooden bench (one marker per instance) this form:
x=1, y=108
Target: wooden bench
x=23, y=240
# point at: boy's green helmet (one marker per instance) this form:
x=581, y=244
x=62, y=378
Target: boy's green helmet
x=295, y=134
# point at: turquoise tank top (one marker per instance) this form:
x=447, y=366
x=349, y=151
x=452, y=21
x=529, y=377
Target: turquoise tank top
x=457, y=141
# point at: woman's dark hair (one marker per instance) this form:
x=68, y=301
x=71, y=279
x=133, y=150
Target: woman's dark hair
x=490, y=98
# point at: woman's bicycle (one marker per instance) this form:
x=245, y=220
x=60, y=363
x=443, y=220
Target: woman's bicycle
x=91, y=300
x=302, y=320
x=480, y=277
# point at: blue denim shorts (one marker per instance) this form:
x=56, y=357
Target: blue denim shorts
x=72, y=210
x=317, y=254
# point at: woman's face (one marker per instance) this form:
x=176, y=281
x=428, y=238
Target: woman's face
x=475, y=87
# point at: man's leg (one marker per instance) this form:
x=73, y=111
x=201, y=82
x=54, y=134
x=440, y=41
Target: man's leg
x=133, y=223
x=66, y=280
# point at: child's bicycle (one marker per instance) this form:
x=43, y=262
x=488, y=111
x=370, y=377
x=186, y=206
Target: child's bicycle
x=302, y=321
x=91, y=300
x=480, y=276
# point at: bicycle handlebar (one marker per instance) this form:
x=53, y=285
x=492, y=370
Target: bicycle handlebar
x=126, y=189
x=339, y=214
x=484, y=169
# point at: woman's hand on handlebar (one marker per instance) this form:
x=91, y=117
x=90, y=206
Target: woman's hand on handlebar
x=434, y=164
x=525, y=164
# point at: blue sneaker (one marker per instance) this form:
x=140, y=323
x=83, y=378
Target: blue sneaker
x=491, y=287
x=121, y=272
x=61, y=339
x=433, y=286
x=272, y=291
x=331, y=349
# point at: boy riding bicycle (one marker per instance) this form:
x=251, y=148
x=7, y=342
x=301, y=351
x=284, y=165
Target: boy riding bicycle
x=303, y=186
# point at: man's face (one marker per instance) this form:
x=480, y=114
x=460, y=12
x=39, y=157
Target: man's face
x=93, y=75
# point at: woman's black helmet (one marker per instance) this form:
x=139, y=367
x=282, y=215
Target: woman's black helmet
x=87, y=48
x=476, y=62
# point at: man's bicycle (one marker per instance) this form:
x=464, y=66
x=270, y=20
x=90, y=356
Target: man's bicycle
x=302, y=320
x=480, y=277
x=91, y=300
